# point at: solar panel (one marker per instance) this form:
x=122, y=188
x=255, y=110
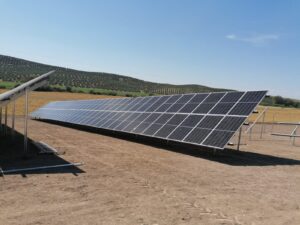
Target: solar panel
x=204, y=119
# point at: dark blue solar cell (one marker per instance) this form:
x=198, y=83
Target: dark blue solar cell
x=140, y=128
x=213, y=97
x=192, y=120
x=197, y=136
x=175, y=107
x=204, y=108
x=218, y=138
x=152, y=129
x=185, y=99
x=131, y=126
x=163, y=108
x=163, y=118
x=173, y=99
x=122, y=125
x=243, y=109
x=157, y=104
x=189, y=108
x=232, y=97
x=176, y=119
x=222, y=108
x=165, y=131
x=198, y=98
x=231, y=123
x=253, y=96
x=152, y=117
x=209, y=122
x=179, y=133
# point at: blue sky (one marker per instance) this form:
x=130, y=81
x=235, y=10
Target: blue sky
x=237, y=44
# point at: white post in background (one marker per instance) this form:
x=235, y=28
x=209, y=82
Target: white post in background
x=262, y=125
x=26, y=123
x=294, y=133
x=274, y=114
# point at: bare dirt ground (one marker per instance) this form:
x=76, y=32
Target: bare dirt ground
x=125, y=182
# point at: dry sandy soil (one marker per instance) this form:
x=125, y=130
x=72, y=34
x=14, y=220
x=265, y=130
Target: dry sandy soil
x=126, y=182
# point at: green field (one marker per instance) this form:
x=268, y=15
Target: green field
x=7, y=85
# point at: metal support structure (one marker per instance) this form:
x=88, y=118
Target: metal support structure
x=13, y=119
x=5, y=121
x=1, y=127
x=274, y=114
x=240, y=138
x=285, y=135
x=294, y=134
x=262, y=129
x=250, y=129
x=12, y=95
x=214, y=151
x=250, y=134
x=26, y=122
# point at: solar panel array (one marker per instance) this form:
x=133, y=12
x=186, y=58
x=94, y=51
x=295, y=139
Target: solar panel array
x=205, y=119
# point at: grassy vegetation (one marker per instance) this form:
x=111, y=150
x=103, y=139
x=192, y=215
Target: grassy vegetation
x=19, y=70
x=281, y=102
x=7, y=85
x=94, y=91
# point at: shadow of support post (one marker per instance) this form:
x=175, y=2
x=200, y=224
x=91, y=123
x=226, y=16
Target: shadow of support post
x=11, y=159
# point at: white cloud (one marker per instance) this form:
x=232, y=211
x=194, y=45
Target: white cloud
x=255, y=39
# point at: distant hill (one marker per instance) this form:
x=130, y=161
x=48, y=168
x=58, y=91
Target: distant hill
x=20, y=70
x=14, y=71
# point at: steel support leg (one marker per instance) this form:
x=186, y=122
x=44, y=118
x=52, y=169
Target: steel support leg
x=1, y=127
x=273, y=122
x=5, y=121
x=262, y=125
x=26, y=123
x=13, y=119
x=240, y=138
x=294, y=134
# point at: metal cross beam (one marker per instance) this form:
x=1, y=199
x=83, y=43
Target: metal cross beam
x=12, y=95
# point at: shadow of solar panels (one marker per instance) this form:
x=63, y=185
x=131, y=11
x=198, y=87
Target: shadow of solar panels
x=205, y=119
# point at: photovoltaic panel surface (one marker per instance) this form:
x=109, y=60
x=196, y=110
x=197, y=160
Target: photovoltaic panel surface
x=204, y=119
